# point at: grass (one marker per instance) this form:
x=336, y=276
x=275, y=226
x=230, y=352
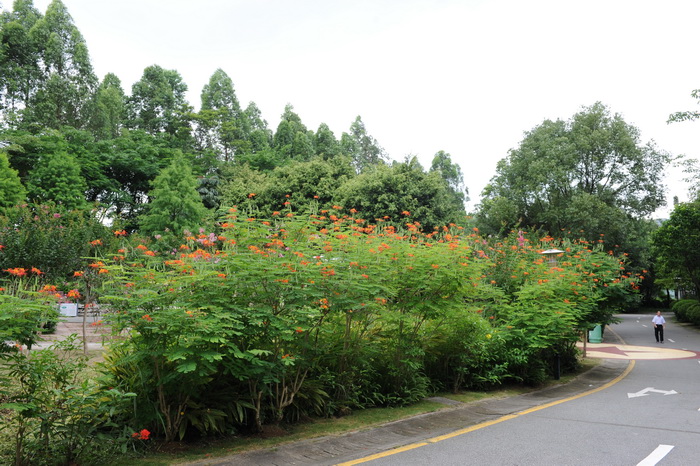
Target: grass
x=358, y=420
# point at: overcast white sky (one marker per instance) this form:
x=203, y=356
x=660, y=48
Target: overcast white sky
x=464, y=76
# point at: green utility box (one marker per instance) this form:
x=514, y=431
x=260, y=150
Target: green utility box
x=596, y=335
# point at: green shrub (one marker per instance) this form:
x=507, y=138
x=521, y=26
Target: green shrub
x=58, y=416
x=692, y=313
x=680, y=309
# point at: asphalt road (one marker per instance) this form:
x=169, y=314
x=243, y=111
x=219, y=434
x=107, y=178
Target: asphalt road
x=649, y=417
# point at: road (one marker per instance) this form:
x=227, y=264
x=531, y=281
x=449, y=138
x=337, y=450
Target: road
x=651, y=416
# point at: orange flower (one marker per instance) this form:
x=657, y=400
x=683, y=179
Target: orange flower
x=251, y=195
x=96, y=242
x=78, y=273
x=74, y=294
x=150, y=253
x=147, y=317
x=17, y=271
x=37, y=271
x=119, y=232
x=101, y=271
x=142, y=247
x=406, y=213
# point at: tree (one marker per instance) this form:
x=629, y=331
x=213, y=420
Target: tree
x=400, y=191
x=325, y=143
x=452, y=174
x=133, y=160
x=11, y=189
x=19, y=57
x=361, y=147
x=676, y=246
x=68, y=81
x=292, y=139
x=595, y=160
x=109, y=108
x=175, y=202
x=56, y=178
x=691, y=167
x=158, y=105
x=222, y=126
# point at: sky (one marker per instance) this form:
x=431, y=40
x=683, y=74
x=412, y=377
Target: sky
x=465, y=76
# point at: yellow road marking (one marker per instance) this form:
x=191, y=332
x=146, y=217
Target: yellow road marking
x=507, y=417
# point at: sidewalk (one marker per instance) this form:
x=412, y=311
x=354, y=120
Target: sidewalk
x=95, y=331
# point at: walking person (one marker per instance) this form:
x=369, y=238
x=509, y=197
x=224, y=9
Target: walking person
x=659, y=323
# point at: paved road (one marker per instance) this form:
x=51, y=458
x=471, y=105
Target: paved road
x=649, y=417
x=640, y=407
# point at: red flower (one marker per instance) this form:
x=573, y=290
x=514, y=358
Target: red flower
x=143, y=435
x=147, y=317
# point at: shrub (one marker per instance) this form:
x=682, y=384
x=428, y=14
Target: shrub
x=680, y=309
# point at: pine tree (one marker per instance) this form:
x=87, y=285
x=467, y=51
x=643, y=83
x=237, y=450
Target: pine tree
x=175, y=203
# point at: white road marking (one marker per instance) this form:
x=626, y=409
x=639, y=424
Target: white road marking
x=644, y=325
x=645, y=391
x=656, y=455
x=671, y=340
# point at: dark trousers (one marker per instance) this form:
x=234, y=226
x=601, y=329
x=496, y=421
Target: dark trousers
x=659, y=332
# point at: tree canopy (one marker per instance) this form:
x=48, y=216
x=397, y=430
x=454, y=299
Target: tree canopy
x=584, y=173
x=676, y=246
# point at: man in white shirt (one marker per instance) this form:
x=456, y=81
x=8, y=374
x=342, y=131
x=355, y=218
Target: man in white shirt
x=659, y=323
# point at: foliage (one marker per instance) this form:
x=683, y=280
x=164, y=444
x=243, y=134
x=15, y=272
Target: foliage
x=389, y=191
x=175, y=204
x=584, y=175
x=59, y=418
x=676, y=246
x=12, y=191
x=291, y=315
x=56, y=178
x=687, y=310
x=52, y=240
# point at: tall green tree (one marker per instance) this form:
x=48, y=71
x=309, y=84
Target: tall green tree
x=292, y=140
x=361, y=147
x=222, y=126
x=676, y=246
x=452, y=174
x=20, y=73
x=691, y=167
x=325, y=142
x=68, y=81
x=572, y=175
x=158, y=106
x=11, y=189
x=109, y=108
x=175, y=202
